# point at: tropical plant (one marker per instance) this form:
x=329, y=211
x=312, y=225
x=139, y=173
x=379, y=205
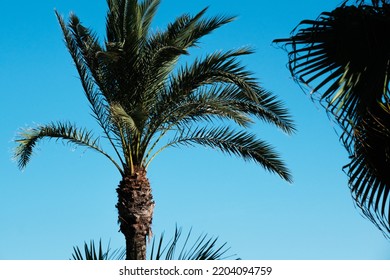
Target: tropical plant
x=139, y=96
x=91, y=252
x=203, y=248
x=344, y=58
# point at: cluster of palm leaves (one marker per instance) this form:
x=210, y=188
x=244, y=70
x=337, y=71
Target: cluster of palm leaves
x=343, y=56
x=202, y=248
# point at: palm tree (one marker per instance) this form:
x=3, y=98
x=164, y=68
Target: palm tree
x=344, y=58
x=139, y=96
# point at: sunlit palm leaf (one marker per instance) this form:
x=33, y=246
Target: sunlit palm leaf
x=29, y=138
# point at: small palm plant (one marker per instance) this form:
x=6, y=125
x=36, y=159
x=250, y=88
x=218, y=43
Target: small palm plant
x=203, y=248
x=140, y=96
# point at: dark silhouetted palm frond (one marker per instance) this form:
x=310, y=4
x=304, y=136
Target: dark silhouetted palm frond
x=344, y=58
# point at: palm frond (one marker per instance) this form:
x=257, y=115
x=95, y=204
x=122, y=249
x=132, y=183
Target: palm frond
x=165, y=47
x=236, y=88
x=186, y=30
x=241, y=144
x=122, y=118
x=368, y=174
x=83, y=48
x=267, y=109
x=148, y=9
x=344, y=57
x=115, y=21
x=80, y=56
x=29, y=138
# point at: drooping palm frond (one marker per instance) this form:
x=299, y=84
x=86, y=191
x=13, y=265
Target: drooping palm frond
x=237, y=85
x=215, y=87
x=29, y=138
x=201, y=248
x=344, y=57
x=368, y=171
x=83, y=47
x=241, y=144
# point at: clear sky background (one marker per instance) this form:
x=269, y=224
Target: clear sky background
x=67, y=196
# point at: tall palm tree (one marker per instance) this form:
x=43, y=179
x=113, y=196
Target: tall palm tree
x=139, y=96
x=344, y=58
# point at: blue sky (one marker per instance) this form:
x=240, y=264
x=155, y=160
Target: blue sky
x=67, y=195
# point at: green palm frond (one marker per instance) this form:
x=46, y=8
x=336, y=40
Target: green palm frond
x=29, y=138
x=219, y=67
x=241, y=144
x=122, y=118
x=83, y=46
x=186, y=30
x=221, y=80
x=165, y=47
x=267, y=109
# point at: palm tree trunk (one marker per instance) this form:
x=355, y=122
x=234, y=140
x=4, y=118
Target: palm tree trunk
x=135, y=210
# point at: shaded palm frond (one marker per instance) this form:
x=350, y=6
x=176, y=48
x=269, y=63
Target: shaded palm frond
x=368, y=170
x=344, y=57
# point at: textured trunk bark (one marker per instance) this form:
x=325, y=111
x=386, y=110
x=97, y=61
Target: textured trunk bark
x=135, y=212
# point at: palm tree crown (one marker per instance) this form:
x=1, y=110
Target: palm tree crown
x=139, y=95
x=137, y=98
